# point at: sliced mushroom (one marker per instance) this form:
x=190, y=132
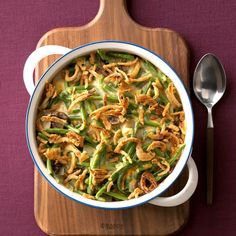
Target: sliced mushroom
x=114, y=120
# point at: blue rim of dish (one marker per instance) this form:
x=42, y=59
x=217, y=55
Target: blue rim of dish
x=29, y=106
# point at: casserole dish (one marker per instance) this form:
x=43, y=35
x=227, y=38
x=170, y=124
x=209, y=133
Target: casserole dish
x=69, y=55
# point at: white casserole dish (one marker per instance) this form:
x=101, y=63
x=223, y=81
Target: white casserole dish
x=68, y=55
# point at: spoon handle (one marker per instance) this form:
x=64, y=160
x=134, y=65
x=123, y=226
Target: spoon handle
x=210, y=147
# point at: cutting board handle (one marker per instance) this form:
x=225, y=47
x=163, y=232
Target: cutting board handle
x=108, y=7
x=115, y=10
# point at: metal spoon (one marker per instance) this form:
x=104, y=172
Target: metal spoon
x=209, y=83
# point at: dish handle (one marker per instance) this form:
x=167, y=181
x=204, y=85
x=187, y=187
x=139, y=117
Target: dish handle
x=34, y=58
x=185, y=193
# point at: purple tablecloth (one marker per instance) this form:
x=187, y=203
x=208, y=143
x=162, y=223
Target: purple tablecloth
x=207, y=26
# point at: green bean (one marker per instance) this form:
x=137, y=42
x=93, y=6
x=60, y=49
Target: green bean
x=146, y=87
x=75, y=111
x=103, y=55
x=112, y=98
x=90, y=185
x=74, y=117
x=53, y=101
x=95, y=97
x=83, y=112
x=97, y=157
x=90, y=142
x=109, y=88
x=110, y=166
x=118, y=196
x=145, y=146
x=156, y=73
x=129, y=95
x=86, y=181
x=162, y=99
x=176, y=155
x=120, y=174
x=137, y=125
x=57, y=131
x=49, y=166
x=83, y=164
x=102, y=190
x=58, y=178
x=78, y=88
x=88, y=106
x=159, y=152
x=69, y=127
x=125, y=56
x=151, y=123
x=158, y=178
x=43, y=136
x=101, y=199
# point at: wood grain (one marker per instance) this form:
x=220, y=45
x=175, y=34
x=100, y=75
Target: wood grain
x=56, y=214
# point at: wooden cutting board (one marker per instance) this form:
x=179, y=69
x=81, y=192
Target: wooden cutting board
x=57, y=215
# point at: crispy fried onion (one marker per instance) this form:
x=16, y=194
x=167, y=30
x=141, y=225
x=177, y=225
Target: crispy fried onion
x=81, y=97
x=71, y=137
x=69, y=78
x=96, y=132
x=135, y=70
x=136, y=193
x=114, y=77
x=147, y=182
x=114, y=108
x=156, y=89
x=180, y=114
x=123, y=87
x=157, y=144
x=109, y=114
x=141, y=79
x=50, y=93
x=163, y=164
x=73, y=176
x=143, y=156
x=81, y=156
x=141, y=115
x=81, y=63
x=42, y=148
x=116, y=136
x=88, y=196
x=170, y=93
x=173, y=139
x=124, y=102
x=109, y=186
x=99, y=175
x=84, y=78
x=93, y=73
x=164, y=136
x=156, y=136
x=113, y=64
x=144, y=99
x=55, y=154
x=123, y=142
x=182, y=127
x=72, y=163
x=92, y=57
x=79, y=184
x=166, y=109
x=41, y=140
x=173, y=127
x=55, y=119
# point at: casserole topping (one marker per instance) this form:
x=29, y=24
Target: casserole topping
x=110, y=126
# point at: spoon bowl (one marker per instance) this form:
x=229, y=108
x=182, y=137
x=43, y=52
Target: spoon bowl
x=209, y=81
x=209, y=84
